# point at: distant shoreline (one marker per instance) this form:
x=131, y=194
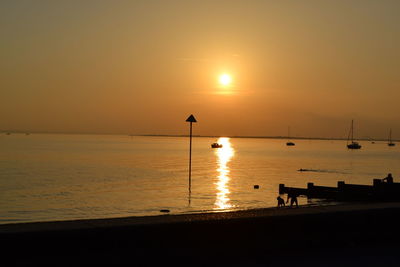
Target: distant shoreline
x=267, y=137
x=205, y=136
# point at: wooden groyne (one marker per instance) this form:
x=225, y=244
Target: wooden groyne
x=378, y=191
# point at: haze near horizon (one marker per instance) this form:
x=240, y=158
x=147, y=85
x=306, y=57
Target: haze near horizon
x=241, y=67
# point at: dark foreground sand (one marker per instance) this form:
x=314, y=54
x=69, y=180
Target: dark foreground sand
x=365, y=234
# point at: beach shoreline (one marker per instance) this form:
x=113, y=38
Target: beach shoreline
x=249, y=236
x=166, y=218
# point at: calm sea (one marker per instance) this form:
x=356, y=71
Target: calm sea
x=63, y=177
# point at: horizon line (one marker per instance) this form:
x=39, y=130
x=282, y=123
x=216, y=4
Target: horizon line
x=202, y=136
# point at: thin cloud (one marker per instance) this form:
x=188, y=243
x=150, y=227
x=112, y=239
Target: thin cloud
x=191, y=59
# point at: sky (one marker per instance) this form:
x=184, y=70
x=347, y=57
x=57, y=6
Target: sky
x=142, y=67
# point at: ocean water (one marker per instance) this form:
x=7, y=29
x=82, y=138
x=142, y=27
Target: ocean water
x=47, y=177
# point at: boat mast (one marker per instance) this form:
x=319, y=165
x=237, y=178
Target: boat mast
x=351, y=130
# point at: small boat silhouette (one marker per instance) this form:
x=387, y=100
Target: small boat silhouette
x=216, y=145
x=289, y=143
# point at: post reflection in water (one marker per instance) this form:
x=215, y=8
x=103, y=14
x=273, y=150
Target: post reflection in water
x=224, y=154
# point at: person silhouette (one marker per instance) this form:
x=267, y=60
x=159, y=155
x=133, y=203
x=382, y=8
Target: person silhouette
x=281, y=202
x=388, y=179
x=293, y=199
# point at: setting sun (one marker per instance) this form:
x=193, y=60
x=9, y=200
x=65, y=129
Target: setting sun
x=225, y=79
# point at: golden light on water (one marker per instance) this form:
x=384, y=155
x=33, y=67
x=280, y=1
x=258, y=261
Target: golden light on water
x=224, y=155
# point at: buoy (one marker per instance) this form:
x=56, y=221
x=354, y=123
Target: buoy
x=164, y=210
x=256, y=186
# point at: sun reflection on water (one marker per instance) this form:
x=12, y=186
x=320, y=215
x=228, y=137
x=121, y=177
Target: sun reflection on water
x=224, y=154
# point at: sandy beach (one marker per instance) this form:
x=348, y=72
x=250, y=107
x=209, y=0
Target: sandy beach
x=364, y=233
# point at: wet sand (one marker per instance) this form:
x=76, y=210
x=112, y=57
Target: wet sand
x=364, y=234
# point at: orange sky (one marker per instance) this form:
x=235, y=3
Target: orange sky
x=142, y=67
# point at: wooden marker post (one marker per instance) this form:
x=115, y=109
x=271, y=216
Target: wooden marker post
x=191, y=119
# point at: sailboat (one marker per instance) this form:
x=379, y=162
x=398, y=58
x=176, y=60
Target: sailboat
x=289, y=143
x=353, y=144
x=390, y=143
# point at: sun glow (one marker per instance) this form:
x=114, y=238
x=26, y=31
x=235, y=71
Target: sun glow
x=225, y=79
